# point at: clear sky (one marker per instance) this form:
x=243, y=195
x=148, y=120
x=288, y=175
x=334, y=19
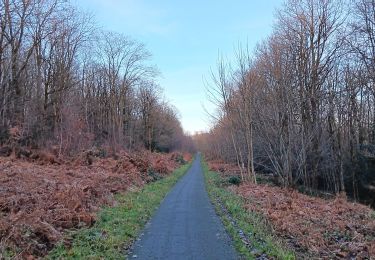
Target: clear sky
x=185, y=38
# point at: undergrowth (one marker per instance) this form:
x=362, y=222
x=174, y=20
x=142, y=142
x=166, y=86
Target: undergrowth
x=237, y=220
x=117, y=227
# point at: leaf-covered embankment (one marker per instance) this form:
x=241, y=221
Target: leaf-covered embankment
x=117, y=227
x=39, y=200
x=325, y=228
x=252, y=235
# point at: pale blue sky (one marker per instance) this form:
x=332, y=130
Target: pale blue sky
x=185, y=38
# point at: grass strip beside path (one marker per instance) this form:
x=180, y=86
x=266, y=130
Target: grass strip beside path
x=251, y=234
x=117, y=227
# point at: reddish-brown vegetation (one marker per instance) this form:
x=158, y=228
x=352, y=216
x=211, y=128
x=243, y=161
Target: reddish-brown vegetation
x=224, y=168
x=327, y=228
x=39, y=198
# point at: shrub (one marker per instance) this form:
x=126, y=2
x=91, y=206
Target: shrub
x=153, y=175
x=234, y=180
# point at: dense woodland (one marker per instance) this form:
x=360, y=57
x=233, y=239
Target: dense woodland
x=301, y=105
x=66, y=83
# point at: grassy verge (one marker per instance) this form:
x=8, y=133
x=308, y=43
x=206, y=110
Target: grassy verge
x=117, y=227
x=251, y=234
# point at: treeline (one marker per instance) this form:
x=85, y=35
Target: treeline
x=301, y=106
x=65, y=82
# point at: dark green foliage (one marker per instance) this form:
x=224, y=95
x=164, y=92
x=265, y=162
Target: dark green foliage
x=102, y=153
x=180, y=159
x=154, y=176
x=364, y=176
x=235, y=180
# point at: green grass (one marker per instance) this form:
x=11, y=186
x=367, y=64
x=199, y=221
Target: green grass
x=373, y=214
x=252, y=224
x=117, y=227
x=7, y=254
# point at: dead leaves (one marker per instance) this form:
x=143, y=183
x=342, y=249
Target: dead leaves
x=332, y=228
x=37, y=202
x=223, y=168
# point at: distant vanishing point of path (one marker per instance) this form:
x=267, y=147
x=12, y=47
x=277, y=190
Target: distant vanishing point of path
x=186, y=225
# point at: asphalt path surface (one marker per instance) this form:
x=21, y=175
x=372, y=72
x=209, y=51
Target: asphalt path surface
x=185, y=226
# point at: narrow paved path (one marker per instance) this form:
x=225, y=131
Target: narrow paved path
x=185, y=226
